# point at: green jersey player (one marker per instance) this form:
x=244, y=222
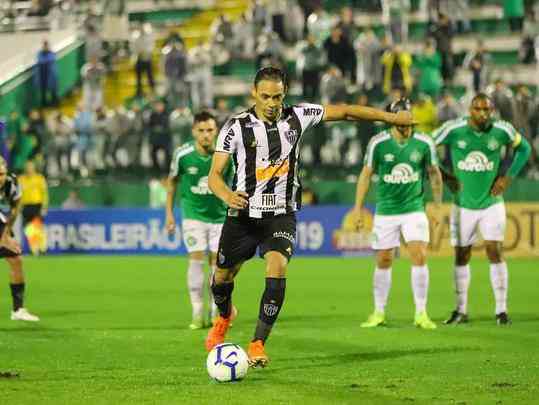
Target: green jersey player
x=400, y=157
x=203, y=213
x=474, y=148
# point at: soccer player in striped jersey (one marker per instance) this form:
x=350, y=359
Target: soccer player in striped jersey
x=203, y=213
x=10, y=204
x=264, y=142
x=474, y=148
x=400, y=157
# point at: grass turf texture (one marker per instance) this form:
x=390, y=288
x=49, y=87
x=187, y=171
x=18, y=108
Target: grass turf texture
x=114, y=330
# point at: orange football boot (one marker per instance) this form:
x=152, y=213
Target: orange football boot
x=257, y=354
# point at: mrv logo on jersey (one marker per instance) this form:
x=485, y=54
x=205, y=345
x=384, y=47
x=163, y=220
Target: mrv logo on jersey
x=475, y=162
x=401, y=174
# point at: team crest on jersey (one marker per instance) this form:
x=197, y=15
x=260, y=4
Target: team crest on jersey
x=389, y=157
x=415, y=156
x=493, y=144
x=291, y=135
x=462, y=144
x=193, y=170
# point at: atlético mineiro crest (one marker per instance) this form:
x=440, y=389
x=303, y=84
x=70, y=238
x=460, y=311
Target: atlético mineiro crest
x=291, y=135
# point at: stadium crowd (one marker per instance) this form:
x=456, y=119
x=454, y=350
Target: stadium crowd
x=336, y=61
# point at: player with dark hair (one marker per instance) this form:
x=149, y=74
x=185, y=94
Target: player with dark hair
x=264, y=142
x=10, y=200
x=203, y=213
x=400, y=157
x=475, y=147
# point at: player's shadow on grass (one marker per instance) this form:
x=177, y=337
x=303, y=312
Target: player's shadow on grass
x=332, y=360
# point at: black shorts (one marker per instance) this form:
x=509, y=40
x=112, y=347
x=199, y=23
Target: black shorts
x=3, y=251
x=241, y=236
x=29, y=212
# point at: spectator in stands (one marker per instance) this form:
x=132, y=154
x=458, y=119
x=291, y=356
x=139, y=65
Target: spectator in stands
x=101, y=134
x=294, y=22
x=442, y=33
x=425, y=113
x=160, y=138
x=201, y=76
x=181, y=123
x=73, y=201
x=503, y=99
x=244, y=37
x=524, y=108
x=270, y=51
x=222, y=112
x=277, y=10
x=93, y=74
x=513, y=10
x=175, y=67
x=339, y=52
x=174, y=37
x=448, y=108
x=222, y=28
x=84, y=128
x=397, y=63
x=93, y=47
x=118, y=132
x=61, y=131
x=347, y=25
x=137, y=118
x=530, y=40
x=39, y=8
x=310, y=64
x=21, y=148
x=46, y=75
x=319, y=24
x=395, y=18
x=333, y=86
x=142, y=46
x=365, y=129
x=429, y=64
x=478, y=63
x=38, y=128
x=259, y=15
x=369, y=53
x=457, y=12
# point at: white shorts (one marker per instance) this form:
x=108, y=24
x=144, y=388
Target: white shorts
x=201, y=236
x=388, y=228
x=464, y=223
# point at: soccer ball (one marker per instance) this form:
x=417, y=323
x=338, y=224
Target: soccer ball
x=227, y=362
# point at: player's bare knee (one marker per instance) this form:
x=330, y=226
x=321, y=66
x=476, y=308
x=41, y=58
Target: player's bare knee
x=494, y=251
x=463, y=255
x=276, y=265
x=384, y=259
x=222, y=276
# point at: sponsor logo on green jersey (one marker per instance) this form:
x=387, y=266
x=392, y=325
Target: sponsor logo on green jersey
x=202, y=187
x=476, y=162
x=401, y=174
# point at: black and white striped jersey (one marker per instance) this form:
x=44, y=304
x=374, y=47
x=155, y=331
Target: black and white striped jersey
x=10, y=194
x=266, y=157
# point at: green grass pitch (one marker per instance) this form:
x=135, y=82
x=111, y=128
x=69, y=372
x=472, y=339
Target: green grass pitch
x=114, y=331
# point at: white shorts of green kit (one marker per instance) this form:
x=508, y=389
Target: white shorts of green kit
x=201, y=236
x=414, y=227
x=465, y=223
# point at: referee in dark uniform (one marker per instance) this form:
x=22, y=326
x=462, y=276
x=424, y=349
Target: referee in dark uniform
x=264, y=145
x=10, y=198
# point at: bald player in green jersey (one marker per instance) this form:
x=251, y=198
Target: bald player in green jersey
x=401, y=158
x=203, y=213
x=484, y=155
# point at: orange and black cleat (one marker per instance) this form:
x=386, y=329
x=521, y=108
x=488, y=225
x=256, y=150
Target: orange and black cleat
x=217, y=333
x=257, y=354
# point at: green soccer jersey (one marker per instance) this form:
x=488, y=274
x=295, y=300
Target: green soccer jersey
x=401, y=170
x=197, y=201
x=475, y=158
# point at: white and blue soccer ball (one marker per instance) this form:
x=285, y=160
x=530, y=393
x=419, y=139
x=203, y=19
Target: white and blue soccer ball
x=227, y=362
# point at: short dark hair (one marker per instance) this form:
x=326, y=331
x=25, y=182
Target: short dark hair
x=482, y=96
x=271, y=73
x=202, y=116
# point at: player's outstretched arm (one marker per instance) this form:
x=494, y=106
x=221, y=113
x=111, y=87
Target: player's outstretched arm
x=362, y=188
x=216, y=183
x=520, y=158
x=172, y=185
x=347, y=112
x=436, y=184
